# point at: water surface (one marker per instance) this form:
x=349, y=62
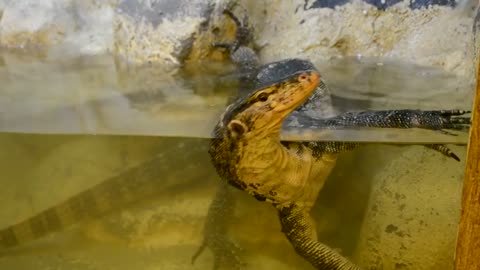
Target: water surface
x=101, y=95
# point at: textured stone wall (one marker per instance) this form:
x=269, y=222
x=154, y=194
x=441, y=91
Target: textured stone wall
x=158, y=31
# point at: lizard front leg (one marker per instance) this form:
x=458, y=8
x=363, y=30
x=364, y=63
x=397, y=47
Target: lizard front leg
x=298, y=226
x=437, y=120
x=225, y=252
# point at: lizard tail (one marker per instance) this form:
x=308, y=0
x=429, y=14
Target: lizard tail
x=134, y=184
x=93, y=202
x=51, y=220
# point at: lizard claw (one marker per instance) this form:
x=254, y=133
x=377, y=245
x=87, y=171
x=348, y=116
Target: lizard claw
x=440, y=120
x=443, y=119
x=444, y=150
x=453, y=112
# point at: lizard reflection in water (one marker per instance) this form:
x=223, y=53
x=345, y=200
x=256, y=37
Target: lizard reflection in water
x=247, y=152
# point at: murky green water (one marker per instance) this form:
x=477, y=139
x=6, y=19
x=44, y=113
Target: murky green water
x=388, y=202
x=385, y=206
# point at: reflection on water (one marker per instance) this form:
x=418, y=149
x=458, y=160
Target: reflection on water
x=379, y=83
x=386, y=205
x=98, y=95
x=103, y=96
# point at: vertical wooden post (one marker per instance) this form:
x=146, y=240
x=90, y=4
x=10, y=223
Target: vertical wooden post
x=467, y=254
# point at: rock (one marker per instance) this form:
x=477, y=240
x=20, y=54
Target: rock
x=142, y=32
x=412, y=213
x=360, y=29
x=159, y=31
x=82, y=27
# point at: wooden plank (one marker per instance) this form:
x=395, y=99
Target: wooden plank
x=467, y=254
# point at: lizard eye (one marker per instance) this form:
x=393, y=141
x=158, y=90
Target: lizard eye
x=262, y=97
x=303, y=77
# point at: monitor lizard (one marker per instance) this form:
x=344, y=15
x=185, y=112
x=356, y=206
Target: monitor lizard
x=248, y=154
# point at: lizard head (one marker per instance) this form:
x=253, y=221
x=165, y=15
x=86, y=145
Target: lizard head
x=262, y=112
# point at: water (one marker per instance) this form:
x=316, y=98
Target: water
x=378, y=199
x=383, y=206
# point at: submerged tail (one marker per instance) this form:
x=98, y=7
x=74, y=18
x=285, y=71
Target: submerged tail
x=133, y=185
x=96, y=201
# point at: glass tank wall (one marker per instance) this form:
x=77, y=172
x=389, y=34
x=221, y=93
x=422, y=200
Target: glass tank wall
x=109, y=97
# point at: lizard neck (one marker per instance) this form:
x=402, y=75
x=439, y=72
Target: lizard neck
x=263, y=153
x=270, y=171
x=238, y=159
x=280, y=173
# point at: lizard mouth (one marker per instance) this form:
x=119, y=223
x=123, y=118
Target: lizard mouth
x=297, y=93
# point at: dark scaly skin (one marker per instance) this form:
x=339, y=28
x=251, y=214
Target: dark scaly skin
x=402, y=119
x=295, y=219
x=434, y=120
x=135, y=184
